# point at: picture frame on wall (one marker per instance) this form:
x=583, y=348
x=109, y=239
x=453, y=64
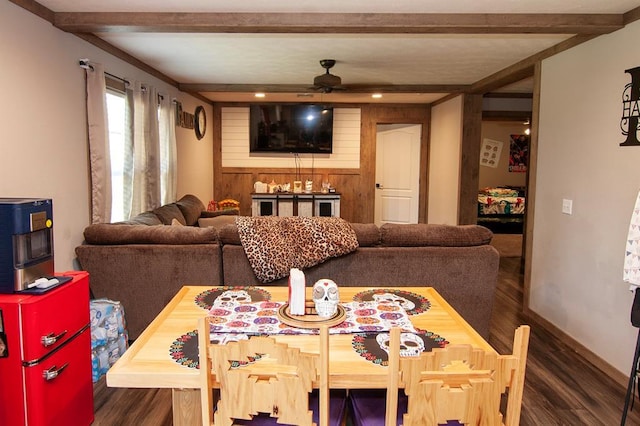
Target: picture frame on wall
x=490, y=153
x=518, y=153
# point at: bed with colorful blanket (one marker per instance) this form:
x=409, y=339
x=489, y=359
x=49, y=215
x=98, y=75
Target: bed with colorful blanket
x=501, y=209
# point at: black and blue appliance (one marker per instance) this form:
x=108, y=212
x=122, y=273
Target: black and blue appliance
x=26, y=242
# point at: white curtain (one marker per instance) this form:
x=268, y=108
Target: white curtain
x=127, y=167
x=146, y=150
x=169, y=157
x=99, y=158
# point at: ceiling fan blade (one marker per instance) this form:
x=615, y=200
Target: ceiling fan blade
x=327, y=82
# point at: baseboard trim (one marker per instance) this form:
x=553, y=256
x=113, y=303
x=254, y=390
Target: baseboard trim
x=594, y=359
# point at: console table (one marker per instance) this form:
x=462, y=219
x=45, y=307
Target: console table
x=295, y=204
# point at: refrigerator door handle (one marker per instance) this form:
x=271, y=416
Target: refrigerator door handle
x=53, y=372
x=51, y=338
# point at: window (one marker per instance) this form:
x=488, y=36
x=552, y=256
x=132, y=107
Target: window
x=138, y=185
x=116, y=122
x=133, y=156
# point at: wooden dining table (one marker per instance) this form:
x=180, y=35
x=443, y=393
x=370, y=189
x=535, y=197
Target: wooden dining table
x=150, y=363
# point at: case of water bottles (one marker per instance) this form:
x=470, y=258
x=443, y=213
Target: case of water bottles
x=109, y=339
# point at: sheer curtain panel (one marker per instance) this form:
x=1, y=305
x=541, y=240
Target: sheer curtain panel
x=146, y=149
x=168, y=157
x=99, y=158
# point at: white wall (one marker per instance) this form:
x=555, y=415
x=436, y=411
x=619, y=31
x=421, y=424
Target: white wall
x=43, y=147
x=577, y=260
x=444, y=162
x=346, y=143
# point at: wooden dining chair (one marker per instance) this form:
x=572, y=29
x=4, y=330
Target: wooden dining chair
x=259, y=375
x=458, y=383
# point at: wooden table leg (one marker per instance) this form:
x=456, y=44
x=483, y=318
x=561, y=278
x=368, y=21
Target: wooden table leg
x=186, y=407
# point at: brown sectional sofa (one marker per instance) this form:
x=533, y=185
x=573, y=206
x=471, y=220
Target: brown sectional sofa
x=144, y=265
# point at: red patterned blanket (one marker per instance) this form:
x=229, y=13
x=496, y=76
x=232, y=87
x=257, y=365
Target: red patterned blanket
x=274, y=244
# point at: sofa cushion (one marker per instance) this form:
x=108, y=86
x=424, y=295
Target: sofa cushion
x=191, y=207
x=146, y=218
x=114, y=234
x=422, y=234
x=216, y=222
x=228, y=234
x=368, y=234
x=168, y=212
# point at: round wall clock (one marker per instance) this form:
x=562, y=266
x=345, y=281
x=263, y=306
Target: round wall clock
x=200, y=122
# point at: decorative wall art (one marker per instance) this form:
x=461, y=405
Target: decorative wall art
x=518, y=153
x=183, y=118
x=490, y=153
x=630, y=122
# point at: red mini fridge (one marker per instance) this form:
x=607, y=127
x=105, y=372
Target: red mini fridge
x=45, y=355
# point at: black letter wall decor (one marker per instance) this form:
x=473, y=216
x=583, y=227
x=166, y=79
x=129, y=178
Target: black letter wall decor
x=630, y=122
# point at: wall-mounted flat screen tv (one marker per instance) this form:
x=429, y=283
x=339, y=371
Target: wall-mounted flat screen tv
x=298, y=128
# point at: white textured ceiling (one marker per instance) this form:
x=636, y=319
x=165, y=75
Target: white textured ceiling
x=276, y=59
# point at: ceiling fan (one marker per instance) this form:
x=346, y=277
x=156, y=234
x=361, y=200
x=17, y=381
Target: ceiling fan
x=327, y=82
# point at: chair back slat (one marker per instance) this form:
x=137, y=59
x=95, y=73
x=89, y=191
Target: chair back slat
x=260, y=375
x=516, y=387
x=458, y=382
x=393, y=379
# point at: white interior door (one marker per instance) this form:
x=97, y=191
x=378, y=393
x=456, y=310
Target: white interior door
x=397, y=173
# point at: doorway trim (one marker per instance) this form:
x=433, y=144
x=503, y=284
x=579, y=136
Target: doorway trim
x=372, y=116
x=390, y=138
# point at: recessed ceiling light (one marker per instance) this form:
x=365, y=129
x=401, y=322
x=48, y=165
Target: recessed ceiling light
x=376, y=95
x=260, y=95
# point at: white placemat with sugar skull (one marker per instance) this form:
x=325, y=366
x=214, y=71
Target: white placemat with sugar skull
x=413, y=303
x=262, y=318
x=230, y=295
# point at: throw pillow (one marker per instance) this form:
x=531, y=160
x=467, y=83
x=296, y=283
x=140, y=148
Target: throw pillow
x=168, y=212
x=191, y=207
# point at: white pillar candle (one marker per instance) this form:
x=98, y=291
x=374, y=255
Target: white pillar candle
x=296, y=292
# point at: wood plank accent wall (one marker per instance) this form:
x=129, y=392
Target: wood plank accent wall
x=356, y=185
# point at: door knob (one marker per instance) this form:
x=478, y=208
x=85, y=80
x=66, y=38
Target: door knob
x=379, y=186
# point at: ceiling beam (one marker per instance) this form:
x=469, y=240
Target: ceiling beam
x=297, y=88
x=338, y=23
x=631, y=16
x=109, y=48
x=524, y=69
x=36, y=8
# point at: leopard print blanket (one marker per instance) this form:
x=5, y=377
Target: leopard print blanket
x=274, y=244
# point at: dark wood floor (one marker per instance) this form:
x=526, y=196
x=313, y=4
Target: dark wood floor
x=561, y=388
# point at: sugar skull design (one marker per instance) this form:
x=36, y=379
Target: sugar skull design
x=407, y=304
x=232, y=297
x=326, y=297
x=410, y=344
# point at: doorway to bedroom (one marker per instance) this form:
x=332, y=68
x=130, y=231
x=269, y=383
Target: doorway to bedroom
x=503, y=182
